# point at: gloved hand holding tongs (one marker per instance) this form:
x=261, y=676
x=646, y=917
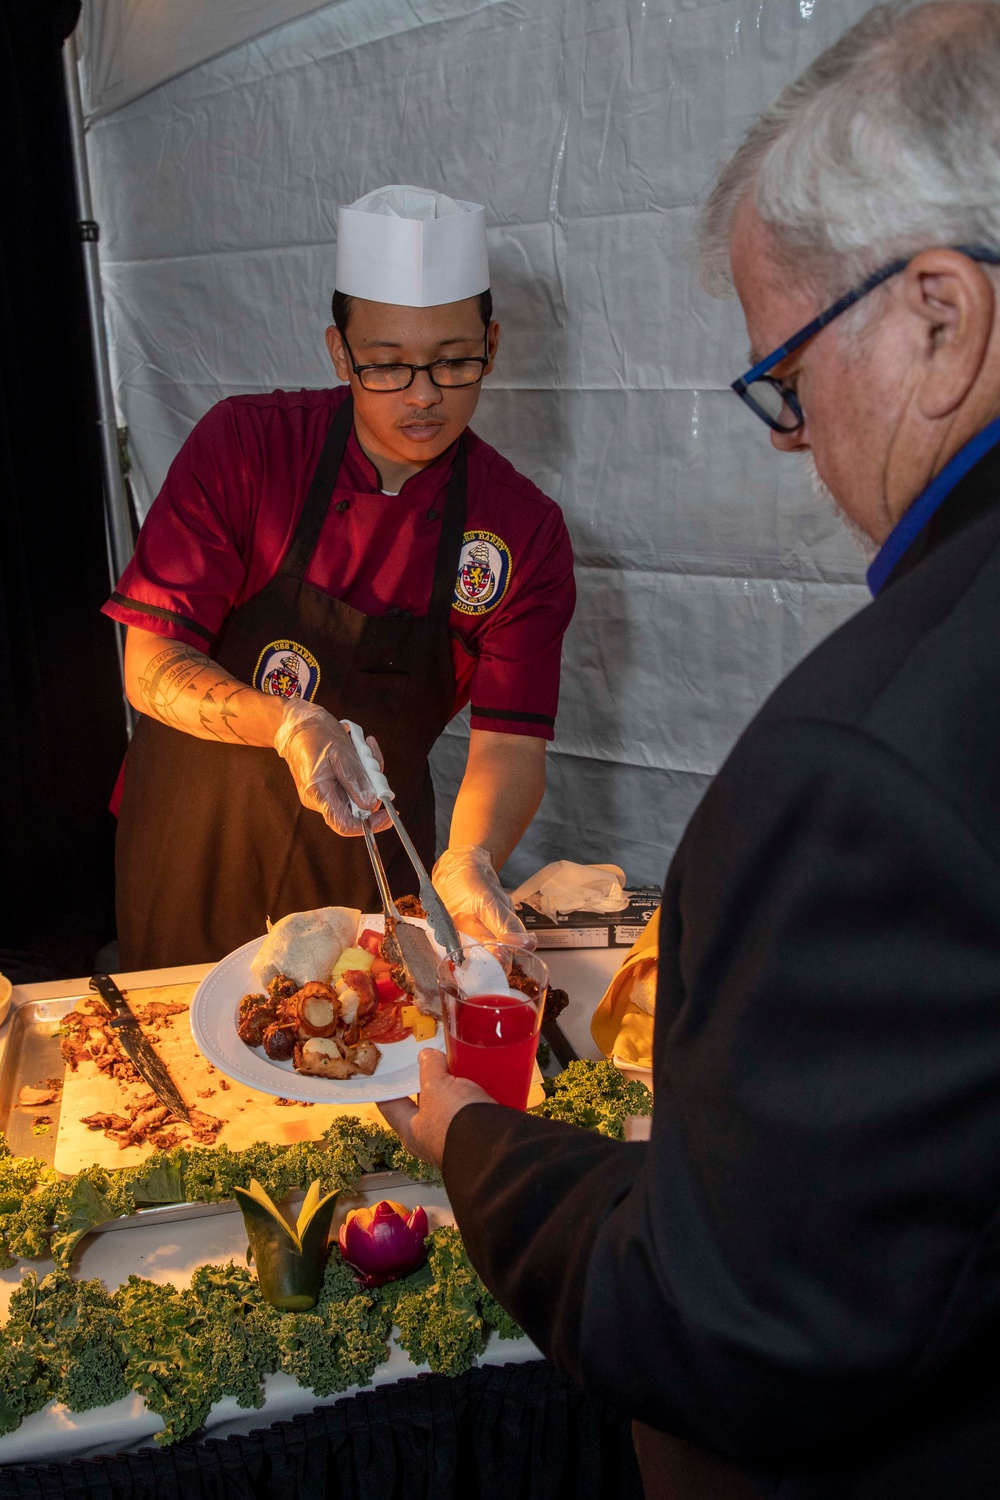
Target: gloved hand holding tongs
x=470, y=888
x=329, y=776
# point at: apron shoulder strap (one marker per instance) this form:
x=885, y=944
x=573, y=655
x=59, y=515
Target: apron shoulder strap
x=452, y=533
x=317, y=501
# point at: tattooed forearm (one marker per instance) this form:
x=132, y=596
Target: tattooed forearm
x=218, y=712
x=183, y=688
x=167, y=675
x=228, y=711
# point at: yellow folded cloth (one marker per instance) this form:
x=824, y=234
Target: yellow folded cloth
x=622, y=1024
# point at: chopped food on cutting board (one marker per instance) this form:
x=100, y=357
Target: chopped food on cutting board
x=240, y=1115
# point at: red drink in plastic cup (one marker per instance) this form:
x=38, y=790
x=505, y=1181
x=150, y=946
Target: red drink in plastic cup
x=492, y=1038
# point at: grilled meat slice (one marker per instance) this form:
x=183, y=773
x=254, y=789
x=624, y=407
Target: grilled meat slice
x=408, y=949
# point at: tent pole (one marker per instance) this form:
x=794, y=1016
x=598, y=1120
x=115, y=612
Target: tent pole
x=117, y=515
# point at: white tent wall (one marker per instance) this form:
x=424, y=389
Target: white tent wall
x=132, y=46
x=706, y=567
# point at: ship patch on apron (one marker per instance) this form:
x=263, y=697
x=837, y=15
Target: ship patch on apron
x=483, y=572
x=286, y=670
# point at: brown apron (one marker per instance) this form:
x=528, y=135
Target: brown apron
x=212, y=838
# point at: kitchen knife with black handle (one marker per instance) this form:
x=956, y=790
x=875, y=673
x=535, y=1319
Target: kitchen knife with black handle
x=137, y=1048
x=556, y=1001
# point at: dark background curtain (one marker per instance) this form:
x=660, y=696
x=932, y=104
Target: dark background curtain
x=61, y=723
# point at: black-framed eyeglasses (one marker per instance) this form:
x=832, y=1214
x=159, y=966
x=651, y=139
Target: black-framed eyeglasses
x=444, y=373
x=777, y=404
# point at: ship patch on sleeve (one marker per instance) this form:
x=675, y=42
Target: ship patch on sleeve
x=484, y=567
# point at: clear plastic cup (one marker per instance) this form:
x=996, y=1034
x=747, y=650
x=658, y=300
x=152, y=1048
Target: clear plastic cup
x=491, y=1024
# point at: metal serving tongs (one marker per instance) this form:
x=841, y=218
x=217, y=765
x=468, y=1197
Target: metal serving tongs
x=416, y=955
x=405, y=945
x=438, y=916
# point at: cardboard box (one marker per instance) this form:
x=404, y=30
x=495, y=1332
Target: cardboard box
x=589, y=929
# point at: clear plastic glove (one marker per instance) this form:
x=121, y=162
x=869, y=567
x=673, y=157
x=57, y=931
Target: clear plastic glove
x=470, y=888
x=325, y=767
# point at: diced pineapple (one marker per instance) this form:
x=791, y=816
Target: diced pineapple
x=352, y=958
x=423, y=1027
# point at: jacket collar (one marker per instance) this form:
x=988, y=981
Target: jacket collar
x=968, y=484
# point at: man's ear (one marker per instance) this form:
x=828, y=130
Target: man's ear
x=954, y=299
x=337, y=352
x=492, y=344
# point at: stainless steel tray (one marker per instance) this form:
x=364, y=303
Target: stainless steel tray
x=31, y=1055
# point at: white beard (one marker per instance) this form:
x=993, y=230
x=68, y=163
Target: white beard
x=822, y=491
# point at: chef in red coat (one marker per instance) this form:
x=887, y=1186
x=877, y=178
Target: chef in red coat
x=352, y=553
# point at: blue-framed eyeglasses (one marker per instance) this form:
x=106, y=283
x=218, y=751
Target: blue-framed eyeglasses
x=777, y=404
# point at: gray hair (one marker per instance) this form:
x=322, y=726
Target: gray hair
x=888, y=144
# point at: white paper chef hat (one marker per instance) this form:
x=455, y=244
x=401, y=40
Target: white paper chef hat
x=411, y=246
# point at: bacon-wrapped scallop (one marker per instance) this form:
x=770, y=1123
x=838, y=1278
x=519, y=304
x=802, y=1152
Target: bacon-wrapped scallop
x=315, y=1010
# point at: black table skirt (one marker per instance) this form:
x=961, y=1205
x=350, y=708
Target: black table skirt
x=508, y=1432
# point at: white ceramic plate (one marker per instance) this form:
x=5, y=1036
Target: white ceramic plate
x=214, y=1016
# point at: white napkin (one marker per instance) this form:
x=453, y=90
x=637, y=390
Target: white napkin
x=565, y=886
x=483, y=974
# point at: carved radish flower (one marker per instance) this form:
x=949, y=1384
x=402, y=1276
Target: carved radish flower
x=384, y=1242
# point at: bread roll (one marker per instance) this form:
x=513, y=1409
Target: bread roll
x=305, y=945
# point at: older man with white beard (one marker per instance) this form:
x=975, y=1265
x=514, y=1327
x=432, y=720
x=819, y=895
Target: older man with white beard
x=795, y=1286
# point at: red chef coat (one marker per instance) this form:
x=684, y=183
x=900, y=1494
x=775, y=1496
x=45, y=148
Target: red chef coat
x=219, y=527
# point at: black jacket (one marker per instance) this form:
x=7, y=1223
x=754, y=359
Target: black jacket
x=802, y=1269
